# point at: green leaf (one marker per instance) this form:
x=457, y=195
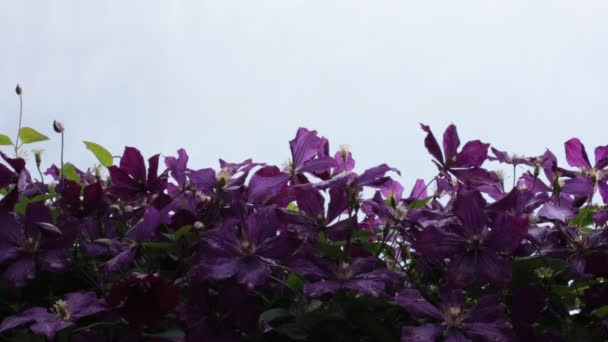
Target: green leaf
x=584, y=217
x=182, y=232
x=103, y=155
x=274, y=314
x=69, y=172
x=295, y=282
x=362, y=235
x=159, y=245
x=168, y=334
x=600, y=312
x=29, y=135
x=5, y=140
x=292, y=206
x=526, y=270
x=417, y=204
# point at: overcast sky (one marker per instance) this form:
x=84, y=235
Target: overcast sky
x=235, y=79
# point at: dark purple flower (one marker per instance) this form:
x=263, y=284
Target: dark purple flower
x=472, y=155
x=63, y=314
x=329, y=276
x=143, y=299
x=19, y=176
x=130, y=179
x=474, y=251
x=597, y=174
x=34, y=243
x=243, y=252
x=482, y=322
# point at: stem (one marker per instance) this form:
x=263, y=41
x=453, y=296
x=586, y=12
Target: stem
x=61, y=171
x=514, y=174
x=426, y=186
x=19, y=128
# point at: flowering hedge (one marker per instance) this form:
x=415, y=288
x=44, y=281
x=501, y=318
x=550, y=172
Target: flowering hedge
x=312, y=251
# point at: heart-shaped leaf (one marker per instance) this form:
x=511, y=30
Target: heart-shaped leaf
x=5, y=140
x=29, y=135
x=103, y=155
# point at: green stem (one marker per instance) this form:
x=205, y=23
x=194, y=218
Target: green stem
x=19, y=128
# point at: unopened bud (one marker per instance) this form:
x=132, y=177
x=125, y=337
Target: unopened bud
x=18, y=89
x=38, y=156
x=198, y=225
x=58, y=126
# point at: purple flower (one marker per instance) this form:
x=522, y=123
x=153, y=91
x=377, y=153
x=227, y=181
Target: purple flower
x=130, y=180
x=577, y=157
x=482, y=322
x=243, y=252
x=329, y=276
x=474, y=251
x=63, y=314
x=20, y=176
x=143, y=299
x=472, y=155
x=36, y=242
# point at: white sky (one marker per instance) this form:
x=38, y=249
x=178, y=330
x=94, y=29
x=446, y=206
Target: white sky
x=235, y=79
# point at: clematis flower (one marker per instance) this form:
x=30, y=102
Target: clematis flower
x=19, y=176
x=329, y=276
x=597, y=174
x=143, y=299
x=61, y=315
x=472, y=155
x=482, y=322
x=474, y=251
x=244, y=253
x=34, y=243
x=130, y=180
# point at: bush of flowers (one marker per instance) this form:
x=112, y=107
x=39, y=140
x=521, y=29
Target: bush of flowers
x=161, y=250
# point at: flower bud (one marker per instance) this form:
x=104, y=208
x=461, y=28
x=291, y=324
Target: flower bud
x=38, y=156
x=18, y=89
x=58, y=126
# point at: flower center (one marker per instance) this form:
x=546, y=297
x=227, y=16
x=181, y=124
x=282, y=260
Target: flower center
x=30, y=245
x=344, y=271
x=60, y=308
x=474, y=242
x=453, y=316
x=223, y=176
x=247, y=247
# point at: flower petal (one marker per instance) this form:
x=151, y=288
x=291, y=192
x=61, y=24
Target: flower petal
x=414, y=303
x=450, y=142
x=576, y=154
x=424, y=333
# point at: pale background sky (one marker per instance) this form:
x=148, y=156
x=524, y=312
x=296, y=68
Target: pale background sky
x=235, y=79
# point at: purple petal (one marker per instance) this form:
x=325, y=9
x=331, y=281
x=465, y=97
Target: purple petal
x=473, y=154
x=414, y=303
x=317, y=165
x=603, y=188
x=203, y=179
x=146, y=228
x=53, y=260
x=20, y=272
x=321, y=287
x=487, y=309
x=178, y=166
x=216, y=268
x=527, y=303
x=372, y=175
x=266, y=183
x=576, y=154
x=27, y=316
x=554, y=212
x=252, y=272
x=338, y=203
x=431, y=144
x=133, y=162
x=437, y=244
x=578, y=186
x=494, y=269
x=424, y=333
x=450, y=142
x=463, y=270
x=507, y=233
x=419, y=191
x=278, y=247
x=371, y=287
x=311, y=202
x=304, y=146
x=455, y=335
x=262, y=225
x=601, y=157
x=84, y=304
x=496, y=331
x=50, y=327
x=120, y=261
x=311, y=268
x=468, y=207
